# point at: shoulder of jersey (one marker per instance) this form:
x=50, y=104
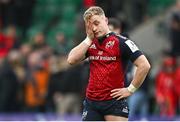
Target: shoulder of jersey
x=121, y=37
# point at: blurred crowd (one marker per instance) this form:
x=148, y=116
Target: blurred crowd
x=167, y=81
x=35, y=77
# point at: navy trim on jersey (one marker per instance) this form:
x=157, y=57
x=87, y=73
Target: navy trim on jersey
x=101, y=39
x=126, y=51
x=136, y=55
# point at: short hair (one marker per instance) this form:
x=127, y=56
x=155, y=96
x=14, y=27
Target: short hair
x=114, y=22
x=94, y=10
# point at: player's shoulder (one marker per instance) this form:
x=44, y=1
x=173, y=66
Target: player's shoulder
x=121, y=38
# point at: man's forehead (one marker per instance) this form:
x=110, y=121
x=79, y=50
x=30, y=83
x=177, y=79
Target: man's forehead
x=95, y=18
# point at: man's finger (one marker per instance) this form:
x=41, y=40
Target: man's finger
x=120, y=97
x=113, y=93
x=114, y=90
x=117, y=95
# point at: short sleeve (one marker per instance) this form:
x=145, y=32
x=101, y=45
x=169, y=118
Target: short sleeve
x=129, y=49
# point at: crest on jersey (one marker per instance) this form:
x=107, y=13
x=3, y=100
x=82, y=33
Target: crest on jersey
x=110, y=44
x=93, y=46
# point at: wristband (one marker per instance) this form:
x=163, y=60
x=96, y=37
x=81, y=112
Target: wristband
x=131, y=88
x=87, y=41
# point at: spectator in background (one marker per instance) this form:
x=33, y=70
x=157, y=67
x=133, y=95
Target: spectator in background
x=5, y=45
x=25, y=50
x=56, y=83
x=62, y=45
x=116, y=26
x=62, y=97
x=38, y=41
x=8, y=41
x=36, y=82
x=8, y=84
x=15, y=58
x=165, y=91
x=12, y=36
x=38, y=44
x=174, y=29
x=175, y=35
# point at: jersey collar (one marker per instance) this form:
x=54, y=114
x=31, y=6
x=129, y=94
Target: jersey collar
x=105, y=36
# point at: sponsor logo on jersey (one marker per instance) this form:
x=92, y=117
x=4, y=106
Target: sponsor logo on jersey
x=100, y=52
x=125, y=110
x=93, y=46
x=84, y=115
x=110, y=44
x=103, y=58
x=131, y=45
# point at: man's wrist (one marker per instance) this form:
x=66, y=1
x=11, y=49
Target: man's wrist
x=131, y=88
x=87, y=41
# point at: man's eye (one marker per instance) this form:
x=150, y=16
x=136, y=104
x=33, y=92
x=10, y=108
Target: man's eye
x=97, y=23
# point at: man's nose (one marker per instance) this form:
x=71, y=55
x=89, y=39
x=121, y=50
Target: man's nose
x=94, y=28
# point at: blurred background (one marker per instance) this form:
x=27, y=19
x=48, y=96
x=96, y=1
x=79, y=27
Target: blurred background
x=36, y=83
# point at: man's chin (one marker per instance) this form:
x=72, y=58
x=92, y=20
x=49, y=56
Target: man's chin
x=99, y=36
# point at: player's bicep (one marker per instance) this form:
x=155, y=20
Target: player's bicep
x=140, y=60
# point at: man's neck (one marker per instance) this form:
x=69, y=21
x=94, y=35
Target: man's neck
x=108, y=31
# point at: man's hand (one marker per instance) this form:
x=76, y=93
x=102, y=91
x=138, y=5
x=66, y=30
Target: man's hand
x=120, y=93
x=89, y=31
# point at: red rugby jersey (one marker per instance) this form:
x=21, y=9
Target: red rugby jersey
x=108, y=58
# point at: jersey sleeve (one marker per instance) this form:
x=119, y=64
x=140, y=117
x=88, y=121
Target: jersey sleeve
x=129, y=49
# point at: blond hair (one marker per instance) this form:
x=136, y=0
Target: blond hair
x=94, y=10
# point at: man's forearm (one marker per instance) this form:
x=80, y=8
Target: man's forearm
x=140, y=75
x=143, y=67
x=77, y=54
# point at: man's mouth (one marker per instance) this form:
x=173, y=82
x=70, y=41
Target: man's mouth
x=96, y=33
